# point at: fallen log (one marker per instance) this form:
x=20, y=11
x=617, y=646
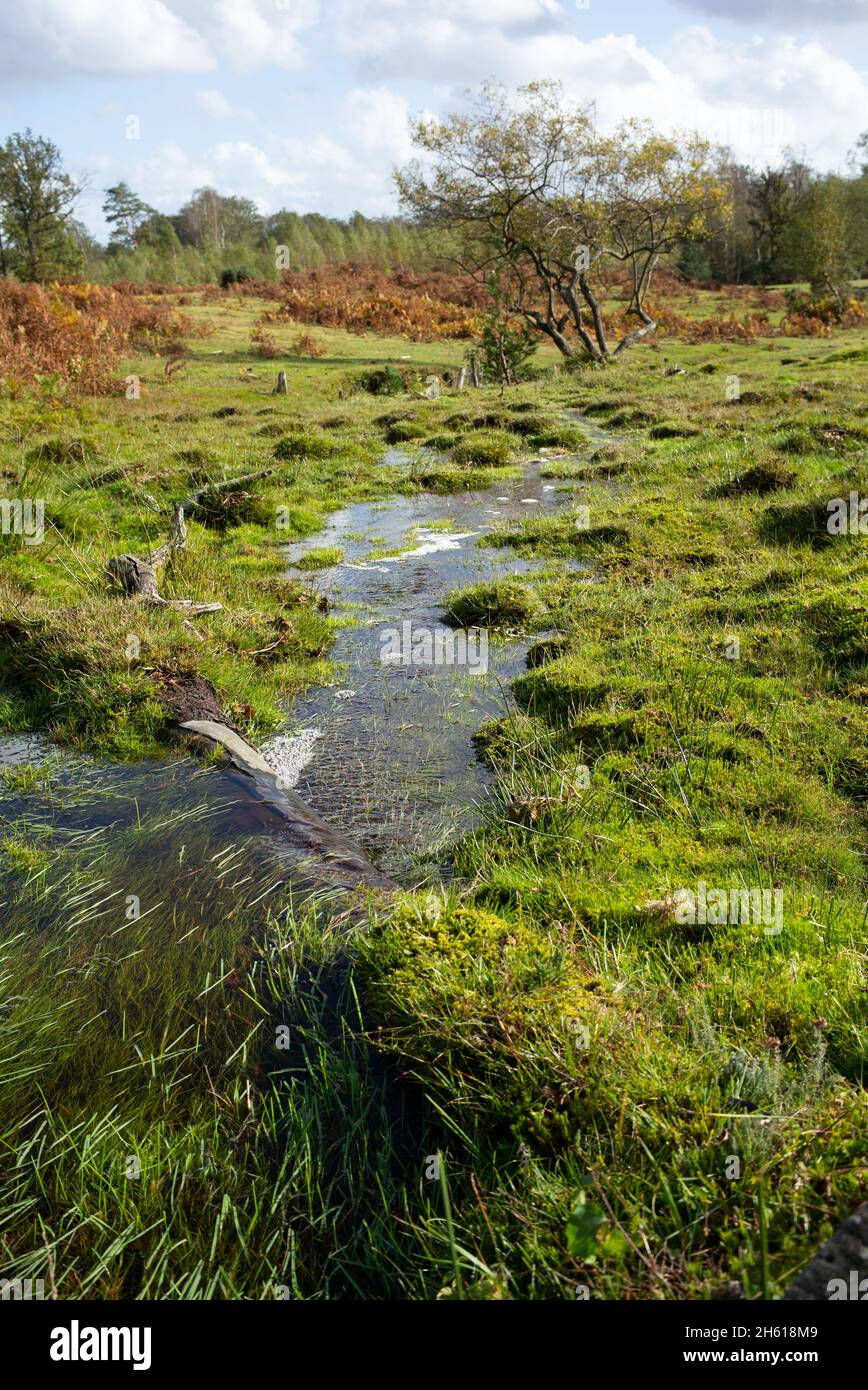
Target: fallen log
x=323, y=852
x=201, y=495
x=319, y=852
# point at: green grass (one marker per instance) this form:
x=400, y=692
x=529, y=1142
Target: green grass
x=616, y=1098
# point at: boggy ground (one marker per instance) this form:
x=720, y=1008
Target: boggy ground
x=624, y=1104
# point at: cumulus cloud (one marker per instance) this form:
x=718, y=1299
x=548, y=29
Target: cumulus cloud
x=96, y=36
x=166, y=178
x=50, y=38
x=757, y=95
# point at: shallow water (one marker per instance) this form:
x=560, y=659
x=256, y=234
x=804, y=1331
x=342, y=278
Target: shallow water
x=384, y=753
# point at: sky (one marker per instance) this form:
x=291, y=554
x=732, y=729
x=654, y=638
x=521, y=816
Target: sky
x=306, y=104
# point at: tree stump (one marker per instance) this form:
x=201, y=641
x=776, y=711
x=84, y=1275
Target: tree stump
x=281, y=389
x=134, y=577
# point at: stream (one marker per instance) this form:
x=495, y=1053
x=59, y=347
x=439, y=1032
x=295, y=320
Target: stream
x=384, y=753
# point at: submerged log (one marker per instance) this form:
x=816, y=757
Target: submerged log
x=320, y=851
x=324, y=853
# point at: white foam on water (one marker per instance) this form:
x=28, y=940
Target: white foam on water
x=433, y=542
x=344, y=694
x=530, y=501
x=288, y=754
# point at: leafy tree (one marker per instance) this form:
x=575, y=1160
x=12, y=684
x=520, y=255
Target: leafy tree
x=772, y=202
x=820, y=241
x=210, y=219
x=533, y=193
x=36, y=202
x=126, y=213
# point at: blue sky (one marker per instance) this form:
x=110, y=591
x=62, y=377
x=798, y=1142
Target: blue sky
x=305, y=103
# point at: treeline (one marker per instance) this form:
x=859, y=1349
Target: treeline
x=41, y=239
x=783, y=224
x=214, y=236
x=788, y=224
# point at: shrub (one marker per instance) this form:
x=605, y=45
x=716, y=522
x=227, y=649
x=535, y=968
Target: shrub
x=75, y=335
x=231, y=277
x=306, y=345
x=263, y=344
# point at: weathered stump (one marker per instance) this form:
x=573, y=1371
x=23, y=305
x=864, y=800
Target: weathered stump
x=281, y=389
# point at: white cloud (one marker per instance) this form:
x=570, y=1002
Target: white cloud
x=377, y=122
x=168, y=176
x=51, y=38
x=98, y=36
x=248, y=34
x=214, y=103
x=758, y=95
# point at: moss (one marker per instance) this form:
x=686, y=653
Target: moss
x=405, y=431
x=839, y=627
x=442, y=443
x=62, y=451
x=559, y=437
x=673, y=429
x=445, y=479
x=548, y=649
x=801, y=523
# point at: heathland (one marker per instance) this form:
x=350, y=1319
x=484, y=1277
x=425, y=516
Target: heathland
x=533, y=1076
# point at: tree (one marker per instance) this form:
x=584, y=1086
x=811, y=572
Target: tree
x=821, y=241
x=36, y=202
x=210, y=219
x=538, y=198
x=126, y=213
x=772, y=204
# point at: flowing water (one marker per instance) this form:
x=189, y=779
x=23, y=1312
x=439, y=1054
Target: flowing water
x=384, y=753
